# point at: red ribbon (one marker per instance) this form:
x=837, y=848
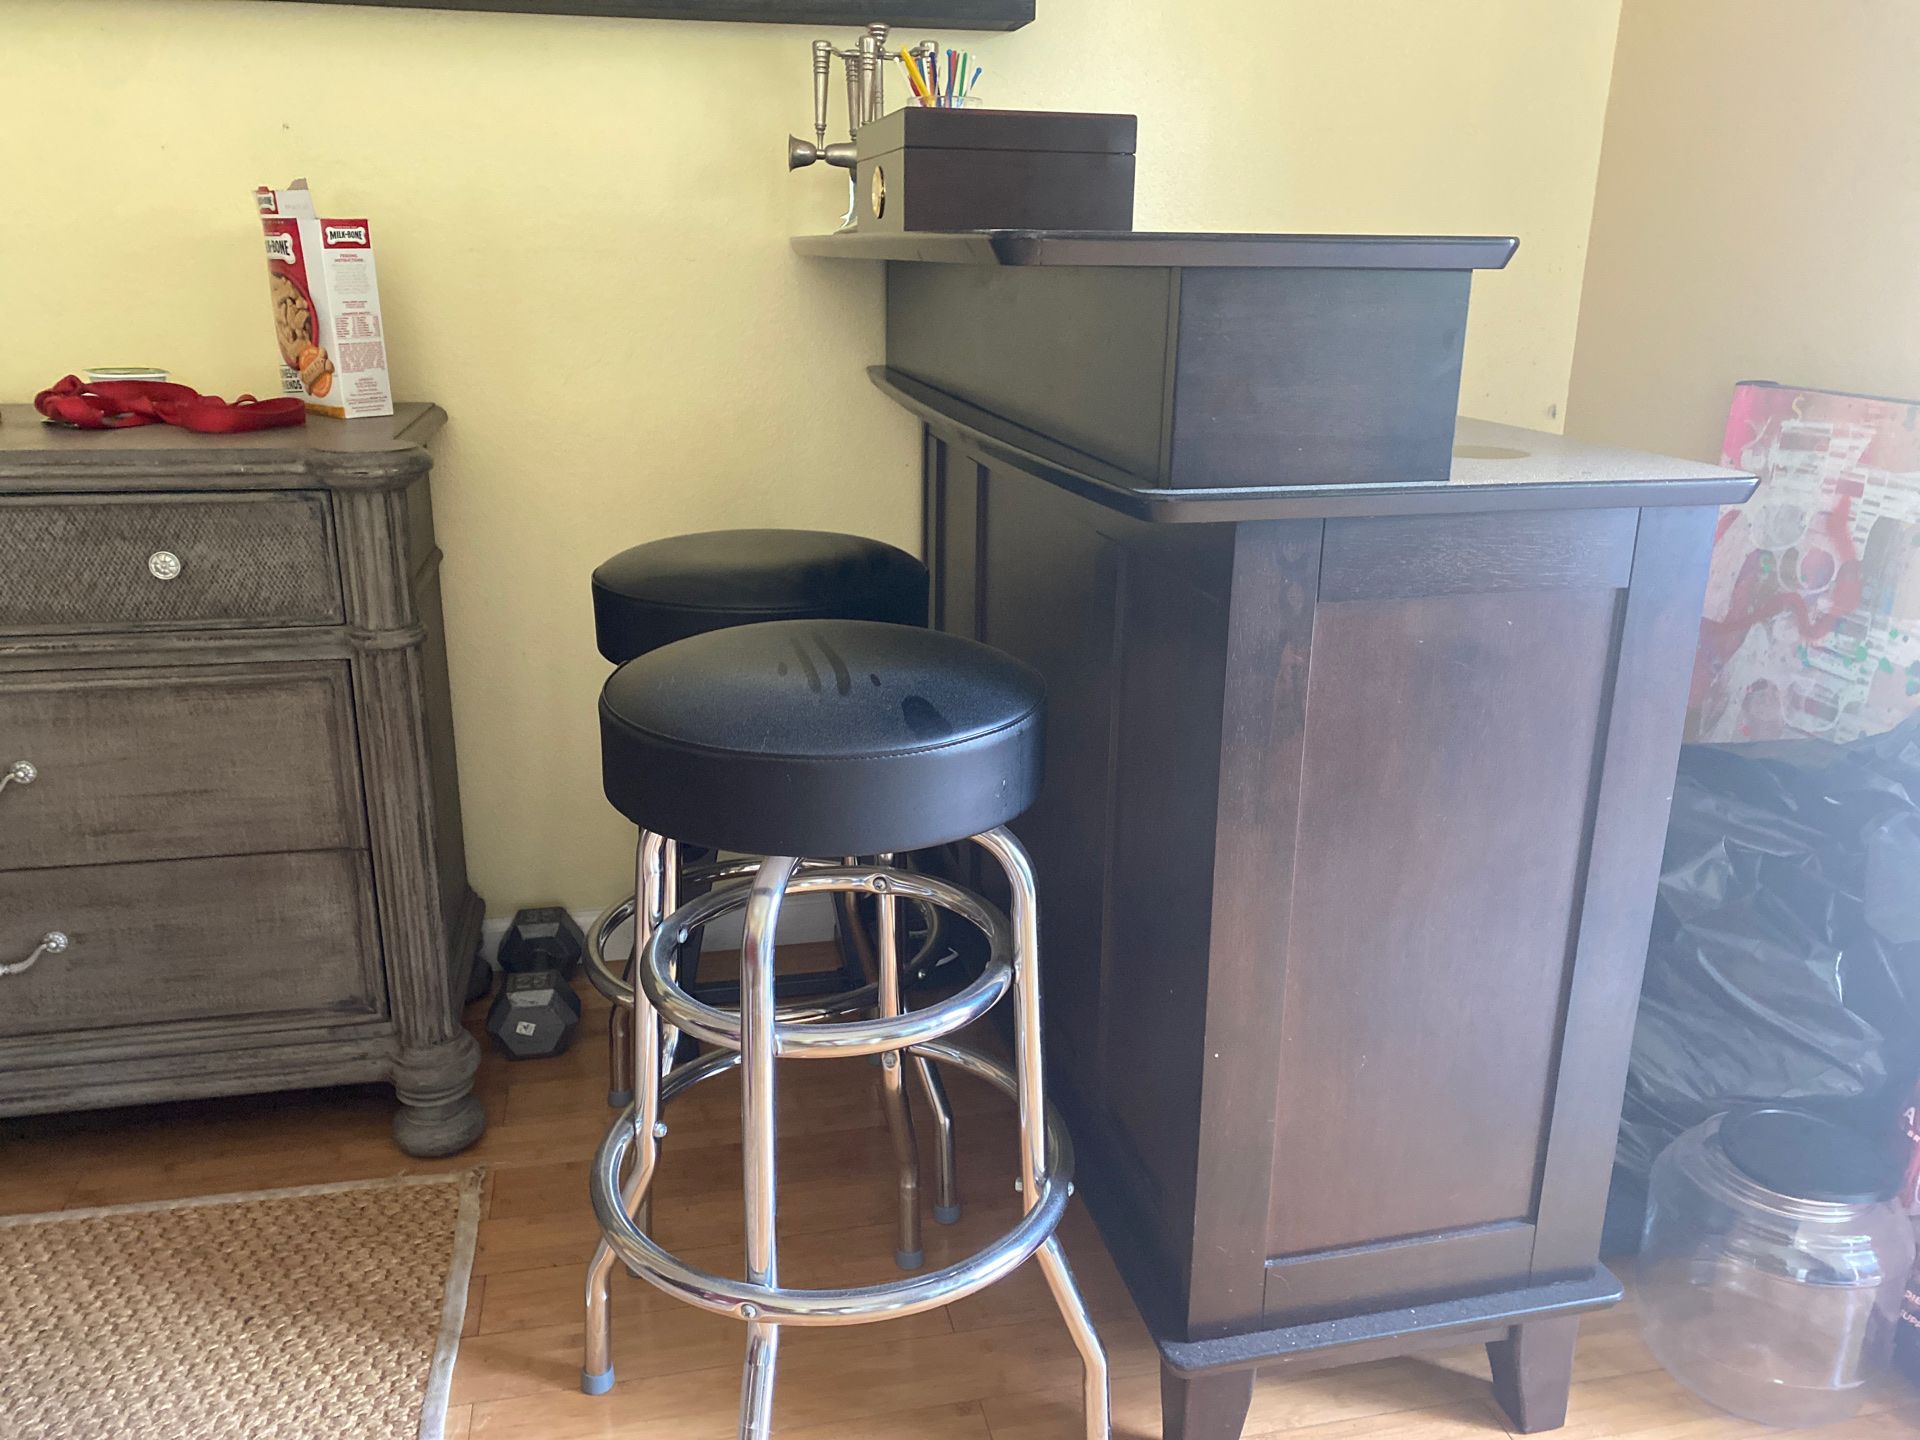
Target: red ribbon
x=119, y=404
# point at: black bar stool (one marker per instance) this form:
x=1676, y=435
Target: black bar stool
x=668, y=590
x=809, y=738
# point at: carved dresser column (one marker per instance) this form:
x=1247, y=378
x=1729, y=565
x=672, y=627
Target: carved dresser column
x=390, y=573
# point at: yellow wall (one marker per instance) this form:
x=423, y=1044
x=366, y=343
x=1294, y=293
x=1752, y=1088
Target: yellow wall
x=582, y=235
x=1757, y=216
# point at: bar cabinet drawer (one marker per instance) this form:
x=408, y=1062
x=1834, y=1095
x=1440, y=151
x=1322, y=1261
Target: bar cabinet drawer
x=152, y=562
x=109, y=767
x=221, y=939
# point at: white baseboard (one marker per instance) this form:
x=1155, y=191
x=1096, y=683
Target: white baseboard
x=804, y=919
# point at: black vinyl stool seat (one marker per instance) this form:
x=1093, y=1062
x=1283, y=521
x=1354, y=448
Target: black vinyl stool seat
x=822, y=737
x=668, y=590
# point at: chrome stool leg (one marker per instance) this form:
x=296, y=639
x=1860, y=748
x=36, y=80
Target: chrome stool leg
x=653, y=891
x=619, y=1058
x=907, y=1253
x=1031, y=1072
x=620, y=1054
x=659, y=1051
x=620, y=1019
x=946, y=1175
x=946, y=1170
x=946, y=1202
x=758, y=1130
x=1095, y=1395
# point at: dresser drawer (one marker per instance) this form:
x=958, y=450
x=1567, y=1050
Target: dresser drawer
x=150, y=562
x=181, y=940
x=150, y=765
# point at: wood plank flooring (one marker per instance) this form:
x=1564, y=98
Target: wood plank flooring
x=998, y=1366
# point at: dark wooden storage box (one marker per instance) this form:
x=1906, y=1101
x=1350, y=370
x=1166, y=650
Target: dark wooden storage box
x=1302, y=359
x=924, y=169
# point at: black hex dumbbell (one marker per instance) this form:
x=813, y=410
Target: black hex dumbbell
x=479, y=980
x=542, y=937
x=536, y=1014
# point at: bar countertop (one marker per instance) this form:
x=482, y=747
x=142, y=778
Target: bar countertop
x=1495, y=467
x=1126, y=248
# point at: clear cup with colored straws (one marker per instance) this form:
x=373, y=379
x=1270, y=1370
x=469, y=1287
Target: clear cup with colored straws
x=942, y=82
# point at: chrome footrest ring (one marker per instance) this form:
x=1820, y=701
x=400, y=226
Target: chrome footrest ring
x=797, y=1039
x=611, y=980
x=778, y=1304
x=619, y=990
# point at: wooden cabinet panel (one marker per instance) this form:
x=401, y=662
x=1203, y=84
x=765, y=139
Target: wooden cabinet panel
x=87, y=562
x=1078, y=354
x=1071, y=592
x=1444, y=816
x=1659, y=628
x=191, y=940
x=1162, y=767
x=1401, y=556
x=157, y=764
x=1054, y=602
x=1378, y=398
x=1304, y=1288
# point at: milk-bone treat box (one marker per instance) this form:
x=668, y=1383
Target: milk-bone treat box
x=326, y=306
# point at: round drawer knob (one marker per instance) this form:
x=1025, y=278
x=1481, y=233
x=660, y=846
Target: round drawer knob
x=164, y=565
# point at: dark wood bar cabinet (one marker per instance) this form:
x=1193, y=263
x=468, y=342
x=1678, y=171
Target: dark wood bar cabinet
x=1361, y=738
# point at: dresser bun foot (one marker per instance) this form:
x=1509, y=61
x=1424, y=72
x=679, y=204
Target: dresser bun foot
x=438, y=1114
x=428, y=1131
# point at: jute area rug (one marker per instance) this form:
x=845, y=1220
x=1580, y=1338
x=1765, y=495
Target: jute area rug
x=326, y=1313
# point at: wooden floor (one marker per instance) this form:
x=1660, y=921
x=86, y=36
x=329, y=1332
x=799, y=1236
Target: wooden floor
x=998, y=1366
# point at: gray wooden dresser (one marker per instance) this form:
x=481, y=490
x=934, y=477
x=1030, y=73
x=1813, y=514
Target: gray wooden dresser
x=227, y=784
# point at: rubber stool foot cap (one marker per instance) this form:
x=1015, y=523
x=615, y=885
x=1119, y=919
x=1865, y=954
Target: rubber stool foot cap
x=619, y=1099
x=909, y=1259
x=591, y=1384
x=947, y=1214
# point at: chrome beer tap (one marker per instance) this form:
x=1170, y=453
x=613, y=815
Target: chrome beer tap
x=866, y=63
x=856, y=90
x=877, y=91
x=822, y=73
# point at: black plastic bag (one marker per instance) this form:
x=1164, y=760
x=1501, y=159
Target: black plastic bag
x=1784, y=962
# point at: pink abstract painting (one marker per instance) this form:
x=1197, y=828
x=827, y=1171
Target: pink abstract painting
x=1812, y=617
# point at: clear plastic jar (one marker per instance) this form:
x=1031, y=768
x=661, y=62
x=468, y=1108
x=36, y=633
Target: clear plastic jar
x=1773, y=1264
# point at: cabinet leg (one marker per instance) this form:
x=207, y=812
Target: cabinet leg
x=438, y=1113
x=1532, y=1372
x=1204, y=1407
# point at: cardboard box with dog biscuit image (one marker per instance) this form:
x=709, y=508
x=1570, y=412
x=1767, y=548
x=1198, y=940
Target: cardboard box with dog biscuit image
x=326, y=306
